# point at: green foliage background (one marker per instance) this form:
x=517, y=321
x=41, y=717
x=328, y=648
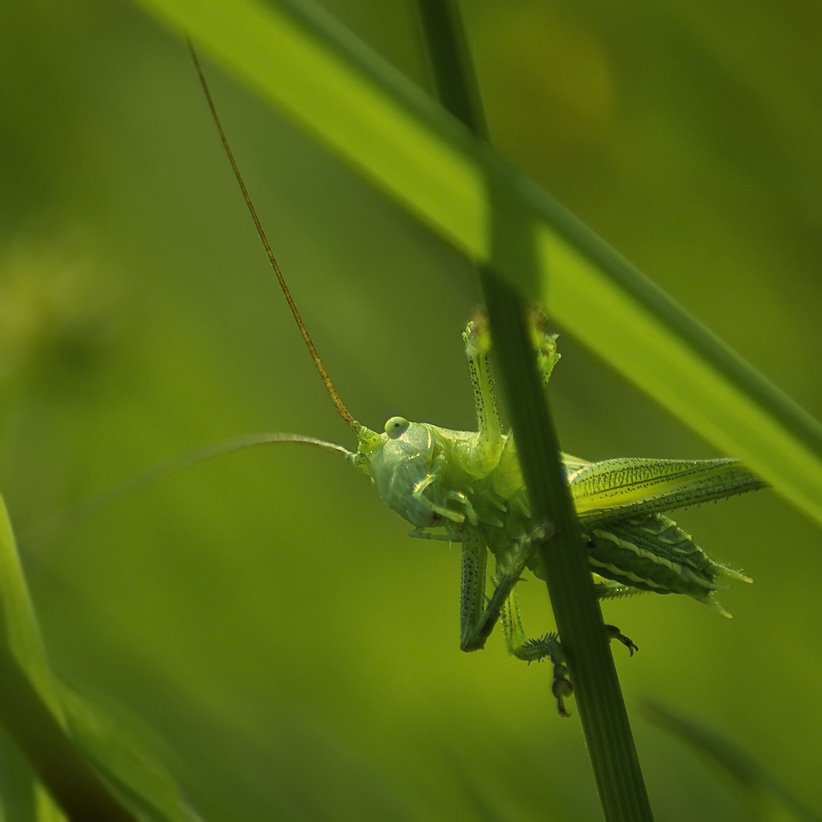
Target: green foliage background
x=264, y=613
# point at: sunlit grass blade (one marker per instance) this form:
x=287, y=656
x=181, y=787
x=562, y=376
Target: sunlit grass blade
x=308, y=65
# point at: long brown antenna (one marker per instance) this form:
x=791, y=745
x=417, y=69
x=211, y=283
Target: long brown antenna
x=329, y=386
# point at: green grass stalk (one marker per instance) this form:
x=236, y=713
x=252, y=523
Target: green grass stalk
x=579, y=620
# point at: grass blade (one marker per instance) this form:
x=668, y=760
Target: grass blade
x=769, y=800
x=300, y=59
x=602, y=711
x=56, y=736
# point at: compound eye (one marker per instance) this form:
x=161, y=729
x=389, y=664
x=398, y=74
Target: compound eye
x=396, y=427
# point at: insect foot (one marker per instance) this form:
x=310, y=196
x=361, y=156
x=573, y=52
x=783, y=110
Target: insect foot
x=477, y=337
x=561, y=688
x=545, y=344
x=535, y=650
x=614, y=633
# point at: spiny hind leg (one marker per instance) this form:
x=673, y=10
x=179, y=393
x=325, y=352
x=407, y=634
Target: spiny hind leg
x=547, y=646
x=535, y=650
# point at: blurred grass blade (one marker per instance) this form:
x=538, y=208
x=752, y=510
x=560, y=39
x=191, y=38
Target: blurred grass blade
x=51, y=755
x=33, y=712
x=30, y=713
x=769, y=800
x=123, y=752
x=308, y=65
x=21, y=794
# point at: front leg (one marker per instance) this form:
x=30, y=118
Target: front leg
x=443, y=511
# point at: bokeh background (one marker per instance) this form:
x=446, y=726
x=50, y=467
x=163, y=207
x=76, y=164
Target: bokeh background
x=295, y=653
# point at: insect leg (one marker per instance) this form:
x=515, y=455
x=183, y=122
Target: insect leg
x=472, y=588
x=614, y=633
x=547, y=646
x=489, y=450
x=536, y=650
x=544, y=343
x=508, y=573
x=477, y=622
x=482, y=455
x=456, y=496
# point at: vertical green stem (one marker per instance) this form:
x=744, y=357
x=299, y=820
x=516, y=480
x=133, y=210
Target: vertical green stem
x=579, y=619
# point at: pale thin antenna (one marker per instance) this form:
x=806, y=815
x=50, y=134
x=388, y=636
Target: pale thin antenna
x=73, y=517
x=312, y=350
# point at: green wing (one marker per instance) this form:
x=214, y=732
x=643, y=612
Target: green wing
x=624, y=487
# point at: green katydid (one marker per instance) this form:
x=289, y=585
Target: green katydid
x=466, y=488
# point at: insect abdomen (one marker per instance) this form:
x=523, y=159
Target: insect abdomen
x=653, y=553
